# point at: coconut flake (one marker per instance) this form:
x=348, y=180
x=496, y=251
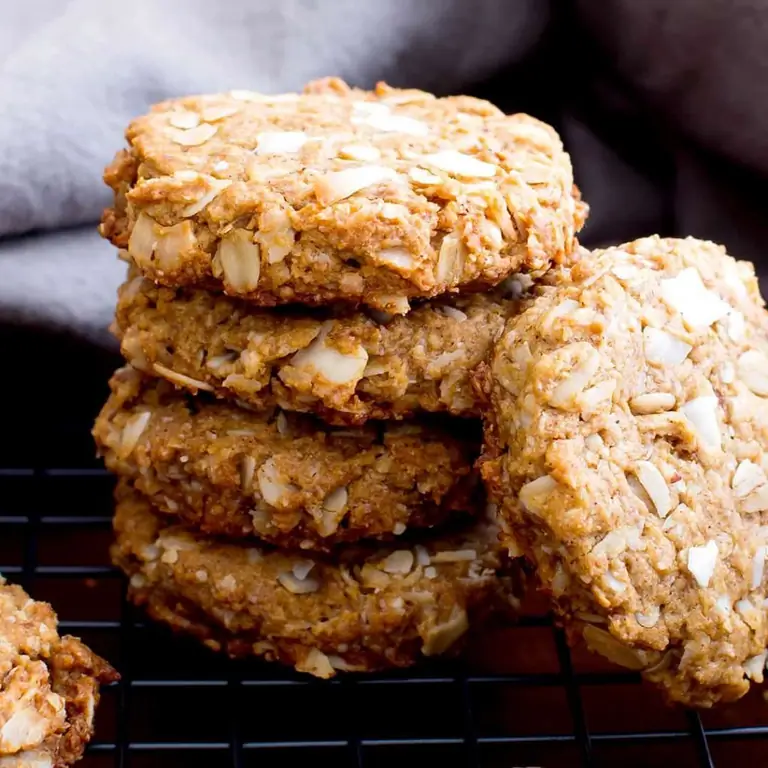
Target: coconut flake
x=533, y=495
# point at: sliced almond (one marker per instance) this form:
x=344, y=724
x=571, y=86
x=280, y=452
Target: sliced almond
x=747, y=477
x=298, y=586
x=687, y=294
x=587, y=365
x=330, y=364
x=396, y=257
x=650, y=619
x=132, y=431
x=600, y=641
x=339, y=185
x=758, y=567
x=441, y=637
x=193, y=137
x=389, y=123
x=757, y=501
x=318, y=664
x=458, y=164
x=752, y=369
x=423, y=178
x=336, y=500
x=218, y=112
x=663, y=348
x=272, y=489
x=399, y=561
x=450, y=261
x=239, y=260
x=701, y=562
x=181, y=379
x=656, y=487
x=247, y=470
x=454, y=556
x=534, y=495
x=184, y=119
x=280, y=142
x=365, y=153
x=653, y=402
x=276, y=236
x=702, y=413
x=214, y=188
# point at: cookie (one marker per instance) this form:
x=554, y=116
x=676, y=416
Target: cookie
x=50, y=686
x=284, y=477
x=368, y=608
x=339, y=194
x=626, y=449
x=347, y=368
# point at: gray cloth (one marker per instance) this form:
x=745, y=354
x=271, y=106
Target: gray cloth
x=72, y=74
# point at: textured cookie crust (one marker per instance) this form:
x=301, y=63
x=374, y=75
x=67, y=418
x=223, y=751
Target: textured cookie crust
x=50, y=686
x=285, y=477
x=369, y=608
x=347, y=369
x=340, y=194
x=627, y=453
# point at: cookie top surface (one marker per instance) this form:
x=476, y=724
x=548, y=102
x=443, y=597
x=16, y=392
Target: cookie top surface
x=50, y=685
x=627, y=451
x=366, y=608
x=346, y=367
x=340, y=194
x=284, y=477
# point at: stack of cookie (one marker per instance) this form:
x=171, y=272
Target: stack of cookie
x=313, y=279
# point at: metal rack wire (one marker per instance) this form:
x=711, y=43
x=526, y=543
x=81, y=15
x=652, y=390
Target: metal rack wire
x=521, y=698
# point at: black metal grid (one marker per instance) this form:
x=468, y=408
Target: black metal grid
x=522, y=699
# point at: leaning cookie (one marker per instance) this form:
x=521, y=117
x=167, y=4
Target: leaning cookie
x=50, y=686
x=285, y=477
x=367, y=609
x=339, y=194
x=626, y=448
x=347, y=368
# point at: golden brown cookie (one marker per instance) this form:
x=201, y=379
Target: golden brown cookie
x=627, y=452
x=50, y=686
x=366, y=609
x=284, y=477
x=346, y=367
x=338, y=194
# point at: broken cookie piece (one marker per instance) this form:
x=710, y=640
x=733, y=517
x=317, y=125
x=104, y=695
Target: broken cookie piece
x=50, y=686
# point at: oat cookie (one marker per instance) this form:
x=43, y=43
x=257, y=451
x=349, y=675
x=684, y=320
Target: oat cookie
x=366, y=609
x=338, y=194
x=627, y=453
x=50, y=686
x=346, y=368
x=285, y=477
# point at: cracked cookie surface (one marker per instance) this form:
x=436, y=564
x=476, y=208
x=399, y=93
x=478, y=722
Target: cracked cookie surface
x=284, y=477
x=626, y=450
x=366, y=609
x=50, y=686
x=337, y=194
x=345, y=367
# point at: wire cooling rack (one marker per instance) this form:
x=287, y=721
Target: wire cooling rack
x=520, y=699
